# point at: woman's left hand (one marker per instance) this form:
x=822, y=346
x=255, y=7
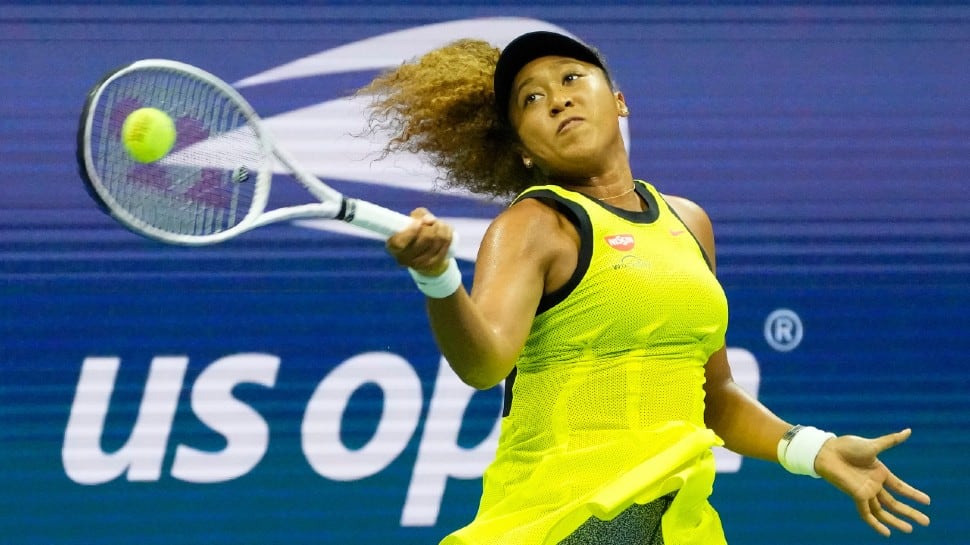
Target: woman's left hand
x=852, y=465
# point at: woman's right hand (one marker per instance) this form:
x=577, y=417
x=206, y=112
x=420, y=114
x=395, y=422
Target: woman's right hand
x=423, y=245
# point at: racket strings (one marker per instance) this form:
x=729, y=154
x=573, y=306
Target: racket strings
x=208, y=183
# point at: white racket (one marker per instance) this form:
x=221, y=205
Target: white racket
x=214, y=184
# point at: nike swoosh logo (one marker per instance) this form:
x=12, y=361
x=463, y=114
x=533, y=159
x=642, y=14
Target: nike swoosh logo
x=677, y=233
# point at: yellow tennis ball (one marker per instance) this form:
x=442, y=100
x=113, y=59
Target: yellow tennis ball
x=148, y=134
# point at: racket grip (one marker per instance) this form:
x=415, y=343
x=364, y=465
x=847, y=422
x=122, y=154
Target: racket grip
x=377, y=219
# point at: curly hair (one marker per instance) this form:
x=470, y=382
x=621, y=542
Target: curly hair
x=442, y=107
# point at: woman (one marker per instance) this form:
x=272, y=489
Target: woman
x=597, y=295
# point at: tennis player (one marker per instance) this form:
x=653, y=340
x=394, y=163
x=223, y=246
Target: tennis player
x=595, y=296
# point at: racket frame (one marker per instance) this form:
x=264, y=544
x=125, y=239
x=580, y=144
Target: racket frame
x=332, y=205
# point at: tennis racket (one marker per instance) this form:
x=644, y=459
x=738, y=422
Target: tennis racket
x=215, y=182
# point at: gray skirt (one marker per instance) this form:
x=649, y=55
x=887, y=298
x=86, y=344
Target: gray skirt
x=638, y=525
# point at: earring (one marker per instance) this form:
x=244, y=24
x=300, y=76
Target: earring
x=624, y=111
x=527, y=162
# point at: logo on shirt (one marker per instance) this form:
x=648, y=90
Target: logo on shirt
x=631, y=261
x=623, y=243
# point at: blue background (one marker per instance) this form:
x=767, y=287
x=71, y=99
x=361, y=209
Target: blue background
x=829, y=144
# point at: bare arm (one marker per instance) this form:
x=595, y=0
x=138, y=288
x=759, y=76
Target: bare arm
x=481, y=334
x=849, y=463
x=746, y=426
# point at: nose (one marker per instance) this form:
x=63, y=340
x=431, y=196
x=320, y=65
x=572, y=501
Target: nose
x=559, y=102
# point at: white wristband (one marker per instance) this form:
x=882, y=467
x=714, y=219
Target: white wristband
x=441, y=286
x=799, y=447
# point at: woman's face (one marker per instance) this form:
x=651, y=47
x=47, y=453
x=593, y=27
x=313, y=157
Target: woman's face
x=565, y=114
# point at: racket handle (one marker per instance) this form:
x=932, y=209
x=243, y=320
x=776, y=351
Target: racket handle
x=374, y=217
x=377, y=219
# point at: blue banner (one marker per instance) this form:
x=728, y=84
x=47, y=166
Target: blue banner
x=284, y=387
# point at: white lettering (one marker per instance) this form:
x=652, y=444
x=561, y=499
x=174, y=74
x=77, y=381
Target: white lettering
x=439, y=455
x=84, y=460
x=246, y=432
x=322, y=445
x=783, y=330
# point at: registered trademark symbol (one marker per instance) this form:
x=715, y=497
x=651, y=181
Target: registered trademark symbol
x=783, y=330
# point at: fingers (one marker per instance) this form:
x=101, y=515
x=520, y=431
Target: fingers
x=423, y=245
x=858, y=472
x=890, y=503
x=865, y=509
x=900, y=486
x=877, y=513
x=883, y=511
x=890, y=440
x=883, y=507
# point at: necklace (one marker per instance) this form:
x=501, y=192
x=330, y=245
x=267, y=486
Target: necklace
x=627, y=192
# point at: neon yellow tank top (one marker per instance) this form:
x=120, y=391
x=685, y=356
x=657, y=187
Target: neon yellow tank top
x=610, y=379
x=643, y=291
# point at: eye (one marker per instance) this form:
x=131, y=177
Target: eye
x=570, y=77
x=530, y=98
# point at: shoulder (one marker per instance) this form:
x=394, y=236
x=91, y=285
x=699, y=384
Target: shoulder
x=696, y=219
x=689, y=212
x=531, y=233
x=528, y=213
x=530, y=222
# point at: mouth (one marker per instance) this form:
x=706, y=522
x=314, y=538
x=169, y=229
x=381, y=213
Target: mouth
x=568, y=123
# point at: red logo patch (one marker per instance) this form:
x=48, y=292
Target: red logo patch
x=623, y=243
